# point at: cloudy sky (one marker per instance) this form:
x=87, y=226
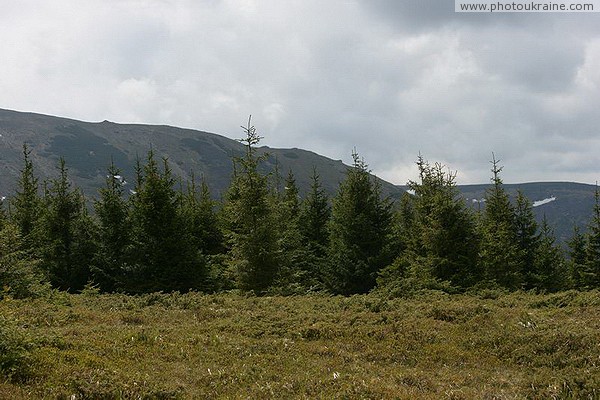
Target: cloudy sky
x=390, y=77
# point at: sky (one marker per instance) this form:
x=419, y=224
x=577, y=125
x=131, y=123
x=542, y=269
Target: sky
x=391, y=78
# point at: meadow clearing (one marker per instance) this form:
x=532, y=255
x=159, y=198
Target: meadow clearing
x=489, y=345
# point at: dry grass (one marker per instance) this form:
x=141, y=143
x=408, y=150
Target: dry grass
x=230, y=346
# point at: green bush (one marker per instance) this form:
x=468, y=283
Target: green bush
x=14, y=351
x=19, y=276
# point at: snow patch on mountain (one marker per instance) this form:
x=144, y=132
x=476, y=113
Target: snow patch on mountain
x=545, y=201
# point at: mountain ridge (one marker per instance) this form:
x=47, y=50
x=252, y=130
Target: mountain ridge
x=89, y=146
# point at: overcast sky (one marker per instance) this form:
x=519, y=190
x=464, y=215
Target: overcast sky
x=390, y=77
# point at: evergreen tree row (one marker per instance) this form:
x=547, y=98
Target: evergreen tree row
x=265, y=239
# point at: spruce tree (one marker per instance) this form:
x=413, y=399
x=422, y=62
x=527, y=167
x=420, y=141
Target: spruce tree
x=436, y=234
x=297, y=261
x=359, y=232
x=250, y=219
x=578, y=271
x=592, y=262
x=314, y=217
x=68, y=234
x=3, y=215
x=113, y=233
x=549, y=272
x=164, y=257
x=499, y=250
x=26, y=204
x=528, y=240
x=19, y=275
x=198, y=210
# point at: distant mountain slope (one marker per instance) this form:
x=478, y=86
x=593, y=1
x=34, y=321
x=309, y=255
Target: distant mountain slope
x=89, y=147
x=565, y=204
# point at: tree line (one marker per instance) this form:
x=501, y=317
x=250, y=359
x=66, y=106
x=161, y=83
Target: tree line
x=263, y=238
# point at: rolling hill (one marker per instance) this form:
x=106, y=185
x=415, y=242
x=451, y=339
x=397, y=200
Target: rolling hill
x=88, y=149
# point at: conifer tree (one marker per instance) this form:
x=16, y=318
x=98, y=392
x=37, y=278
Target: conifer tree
x=198, y=211
x=437, y=234
x=68, y=235
x=291, y=197
x=549, y=272
x=19, y=275
x=359, y=232
x=528, y=240
x=113, y=233
x=578, y=272
x=499, y=251
x=311, y=233
x=314, y=217
x=297, y=261
x=164, y=256
x=26, y=204
x=592, y=270
x=250, y=218
x=3, y=215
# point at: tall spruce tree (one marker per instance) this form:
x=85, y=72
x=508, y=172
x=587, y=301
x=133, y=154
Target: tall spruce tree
x=528, y=241
x=26, y=204
x=68, y=234
x=198, y=209
x=592, y=262
x=297, y=261
x=437, y=235
x=19, y=275
x=499, y=250
x=549, y=272
x=314, y=217
x=164, y=256
x=114, y=240
x=250, y=219
x=3, y=215
x=580, y=277
x=359, y=232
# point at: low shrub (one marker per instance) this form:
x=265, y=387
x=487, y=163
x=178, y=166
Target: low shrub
x=15, y=363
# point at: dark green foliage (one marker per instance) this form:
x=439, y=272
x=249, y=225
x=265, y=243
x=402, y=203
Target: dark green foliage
x=592, y=270
x=579, y=275
x=436, y=234
x=315, y=213
x=264, y=239
x=26, y=204
x=19, y=276
x=500, y=255
x=250, y=219
x=114, y=236
x=68, y=235
x=313, y=221
x=528, y=240
x=404, y=223
x=549, y=271
x=163, y=254
x=198, y=212
x=299, y=261
x=15, y=358
x=359, y=230
x=3, y=215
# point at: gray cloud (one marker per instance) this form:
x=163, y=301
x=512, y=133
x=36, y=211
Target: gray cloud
x=390, y=78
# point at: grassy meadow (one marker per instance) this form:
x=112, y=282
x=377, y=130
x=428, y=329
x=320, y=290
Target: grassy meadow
x=231, y=346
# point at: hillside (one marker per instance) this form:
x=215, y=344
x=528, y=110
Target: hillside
x=88, y=149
